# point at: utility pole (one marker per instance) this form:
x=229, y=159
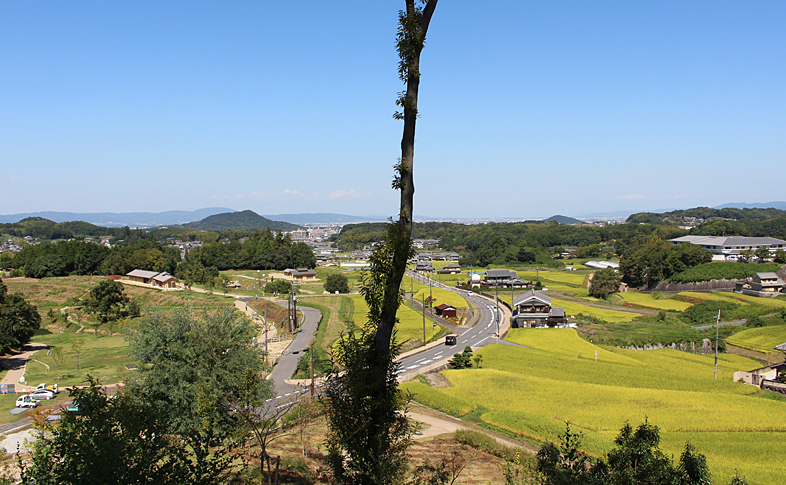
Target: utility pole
x=424, y=319
x=496, y=316
x=266, y=354
x=717, y=331
x=312, y=369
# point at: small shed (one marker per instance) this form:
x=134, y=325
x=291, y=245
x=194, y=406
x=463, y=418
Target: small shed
x=445, y=311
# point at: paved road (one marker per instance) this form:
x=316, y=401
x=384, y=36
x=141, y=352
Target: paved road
x=483, y=333
x=287, y=363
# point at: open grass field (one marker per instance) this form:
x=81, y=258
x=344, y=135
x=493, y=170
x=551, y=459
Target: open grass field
x=101, y=357
x=534, y=391
x=648, y=300
x=761, y=339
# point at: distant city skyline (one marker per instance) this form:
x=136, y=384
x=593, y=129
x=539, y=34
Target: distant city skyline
x=527, y=110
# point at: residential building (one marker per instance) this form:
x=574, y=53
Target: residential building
x=533, y=309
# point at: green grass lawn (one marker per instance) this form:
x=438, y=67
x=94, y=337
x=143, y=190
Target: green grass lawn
x=534, y=391
x=101, y=357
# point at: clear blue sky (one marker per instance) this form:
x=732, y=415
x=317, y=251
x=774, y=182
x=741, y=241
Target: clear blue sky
x=528, y=109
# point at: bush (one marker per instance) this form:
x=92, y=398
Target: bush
x=278, y=286
x=706, y=312
x=336, y=282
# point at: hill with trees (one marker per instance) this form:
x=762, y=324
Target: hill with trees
x=563, y=220
x=246, y=220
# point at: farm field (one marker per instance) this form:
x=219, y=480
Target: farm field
x=774, y=302
x=713, y=296
x=567, y=277
x=761, y=339
x=410, y=324
x=574, y=308
x=646, y=299
x=534, y=391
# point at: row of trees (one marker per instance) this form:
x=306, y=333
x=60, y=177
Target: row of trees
x=657, y=260
x=259, y=251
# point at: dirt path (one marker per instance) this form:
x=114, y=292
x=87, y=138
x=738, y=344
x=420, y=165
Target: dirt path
x=439, y=424
x=15, y=365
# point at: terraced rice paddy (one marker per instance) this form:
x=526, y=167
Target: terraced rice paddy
x=441, y=296
x=761, y=339
x=410, y=324
x=647, y=300
x=533, y=391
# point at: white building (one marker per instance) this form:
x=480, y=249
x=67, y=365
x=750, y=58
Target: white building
x=729, y=248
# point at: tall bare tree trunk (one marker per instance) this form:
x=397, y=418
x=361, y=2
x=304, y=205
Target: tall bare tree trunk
x=413, y=25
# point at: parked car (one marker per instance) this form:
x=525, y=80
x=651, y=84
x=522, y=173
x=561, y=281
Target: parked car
x=26, y=402
x=51, y=387
x=43, y=394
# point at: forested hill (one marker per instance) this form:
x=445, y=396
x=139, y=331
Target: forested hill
x=563, y=220
x=721, y=222
x=246, y=220
x=45, y=229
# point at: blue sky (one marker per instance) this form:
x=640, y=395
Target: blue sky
x=528, y=109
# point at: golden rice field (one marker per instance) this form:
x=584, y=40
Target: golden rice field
x=761, y=301
x=574, y=308
x=714, y=296
x=533, y=391
x=761, y=339
x=557, y=276
x=646, y=299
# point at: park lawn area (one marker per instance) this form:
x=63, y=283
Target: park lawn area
x=102, y=357
x=534, y=391
x=648, y=300
x=761, y=339
x=441, y=296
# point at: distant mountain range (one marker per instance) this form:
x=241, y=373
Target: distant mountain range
x=246, y=220
x=756, y=205
x=323, y=218
x=114, y=219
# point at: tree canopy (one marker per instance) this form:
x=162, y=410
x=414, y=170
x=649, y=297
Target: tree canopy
x=19, y=320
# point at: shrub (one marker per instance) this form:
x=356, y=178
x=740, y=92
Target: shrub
x=336, y=282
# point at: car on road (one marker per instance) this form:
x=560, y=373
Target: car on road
x=43, y=394
x=26, y=402
x=450, y=339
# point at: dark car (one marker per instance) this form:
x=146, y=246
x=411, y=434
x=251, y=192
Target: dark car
x=450, y=340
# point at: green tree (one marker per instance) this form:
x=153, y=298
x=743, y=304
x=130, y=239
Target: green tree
x=118, y=440
x=58, y=358
x=106, y=299
x=763, y=253
x=193, y=363
x=76, y=347
x=780, y=256
x=462, y=360
x=368, y=429
x=281, y=287
x=19, y=320
x=604, y=282
x=336, y=282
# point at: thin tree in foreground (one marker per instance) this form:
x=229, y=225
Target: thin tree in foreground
x=368, y=429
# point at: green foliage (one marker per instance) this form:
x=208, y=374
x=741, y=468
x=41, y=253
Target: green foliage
x=658, y=260
x=485, y=443
x=462, y=360
x=706, y=312
x=336, y=282
x=722, y=270
x=605, y=282
x=281, y=287
x=106, y=299
x=120, y=440
x=192, y=364
x=19, y=320
x=368, y=431
x=780, y=256
x=636, y=459
x=755, y=321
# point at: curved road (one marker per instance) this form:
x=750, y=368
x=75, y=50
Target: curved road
x=483, y=333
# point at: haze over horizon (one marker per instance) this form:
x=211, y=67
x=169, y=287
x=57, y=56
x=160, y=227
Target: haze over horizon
x=526, y=110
